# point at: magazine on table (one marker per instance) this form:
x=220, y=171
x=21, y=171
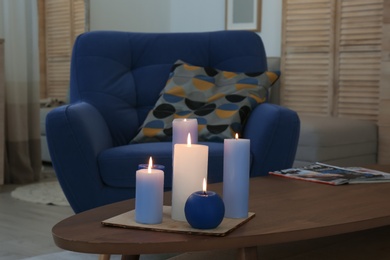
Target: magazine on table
x=333, y=175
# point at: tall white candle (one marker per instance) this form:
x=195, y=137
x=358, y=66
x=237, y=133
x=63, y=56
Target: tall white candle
x=189, y=168
x=236, y=177
x=180, y=129
x=149, y=191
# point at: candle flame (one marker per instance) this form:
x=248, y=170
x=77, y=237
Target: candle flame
x=236, y=136
x=189, y=140
x=150, y=165
x=185, y=119
x=204, y=185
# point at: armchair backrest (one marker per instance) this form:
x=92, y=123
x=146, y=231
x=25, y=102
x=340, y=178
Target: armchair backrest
x=123, y=73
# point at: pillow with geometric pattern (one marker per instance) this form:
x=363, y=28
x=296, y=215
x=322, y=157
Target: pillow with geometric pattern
x=221, y=101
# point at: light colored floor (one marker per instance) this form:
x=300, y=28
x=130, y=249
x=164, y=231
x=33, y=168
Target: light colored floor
x=25, y=228
x=25, y=231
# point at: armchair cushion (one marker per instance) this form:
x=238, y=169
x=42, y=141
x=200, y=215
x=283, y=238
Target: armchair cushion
x=220, y=100
x=114, y=161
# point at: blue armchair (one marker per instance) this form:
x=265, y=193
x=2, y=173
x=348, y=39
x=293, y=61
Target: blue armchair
x=116, y=79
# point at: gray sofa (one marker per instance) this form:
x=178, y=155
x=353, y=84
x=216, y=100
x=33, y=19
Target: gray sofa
x=337, y=141
x=44, y=149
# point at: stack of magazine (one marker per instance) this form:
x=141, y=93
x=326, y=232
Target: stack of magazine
x=333, y=175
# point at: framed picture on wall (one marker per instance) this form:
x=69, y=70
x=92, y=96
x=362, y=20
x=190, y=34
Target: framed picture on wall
x=243, y=15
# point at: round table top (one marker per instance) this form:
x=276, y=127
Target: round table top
x=286, y=210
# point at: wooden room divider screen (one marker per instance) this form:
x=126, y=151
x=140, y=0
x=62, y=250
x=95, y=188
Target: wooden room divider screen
x=335, y=61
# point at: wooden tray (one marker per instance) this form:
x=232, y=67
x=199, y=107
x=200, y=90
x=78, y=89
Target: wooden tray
x=127, y=220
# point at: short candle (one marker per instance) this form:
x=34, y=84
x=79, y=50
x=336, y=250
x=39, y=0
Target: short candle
x=149, y=191
x=204, y=209
x=180, y=129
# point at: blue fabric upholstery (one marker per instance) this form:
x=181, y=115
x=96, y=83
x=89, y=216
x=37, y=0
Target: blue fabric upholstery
x=116, y=78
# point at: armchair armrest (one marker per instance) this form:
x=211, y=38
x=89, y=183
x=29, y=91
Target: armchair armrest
x=76, y=134
x=274, y=133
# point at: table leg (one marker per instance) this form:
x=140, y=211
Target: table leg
x=104, y=257
x=247, y=253
x=130, y=257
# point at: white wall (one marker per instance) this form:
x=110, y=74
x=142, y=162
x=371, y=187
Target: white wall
x=271, y=27
x=180, y=16
x=130, y=15
x=1, y=21
x=206, y=15
x=197, y=16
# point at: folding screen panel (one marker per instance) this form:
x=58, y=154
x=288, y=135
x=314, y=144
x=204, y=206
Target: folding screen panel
x=331, y=57
x=60, y=23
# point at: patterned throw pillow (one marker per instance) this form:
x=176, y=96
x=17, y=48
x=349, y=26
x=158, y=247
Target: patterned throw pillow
x=221, y=101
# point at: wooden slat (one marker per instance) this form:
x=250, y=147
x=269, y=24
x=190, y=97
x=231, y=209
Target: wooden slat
x=336, y=46
x=359, y=36
x=2, y=114
x=64, y=20
x=306, y=64
x=384, y=105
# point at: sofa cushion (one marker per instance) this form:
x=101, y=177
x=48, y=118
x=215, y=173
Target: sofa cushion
x=274, y=65
x=339, y=141
x=45, y=154
x=220, y=100
x=43, y=111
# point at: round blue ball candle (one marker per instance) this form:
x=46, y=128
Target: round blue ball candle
x=204, y=209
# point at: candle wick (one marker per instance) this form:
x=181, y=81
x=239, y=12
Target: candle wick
x=204, y=192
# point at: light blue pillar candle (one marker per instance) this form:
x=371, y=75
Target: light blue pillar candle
x=236, y=177
x=149, y=196
x=180, y=129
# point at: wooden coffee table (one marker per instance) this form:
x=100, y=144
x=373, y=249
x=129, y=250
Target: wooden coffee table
x=286, y=211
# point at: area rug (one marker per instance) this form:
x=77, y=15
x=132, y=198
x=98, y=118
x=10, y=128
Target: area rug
x=49, y=193
x=67, y=255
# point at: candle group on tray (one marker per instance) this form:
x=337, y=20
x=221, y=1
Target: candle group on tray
x=200, y=208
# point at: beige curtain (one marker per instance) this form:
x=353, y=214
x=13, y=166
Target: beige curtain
x=22, y=131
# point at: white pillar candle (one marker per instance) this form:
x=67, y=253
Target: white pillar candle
x=189, y=168
x=180, y=129
x=149, y=191
x=236, y=177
